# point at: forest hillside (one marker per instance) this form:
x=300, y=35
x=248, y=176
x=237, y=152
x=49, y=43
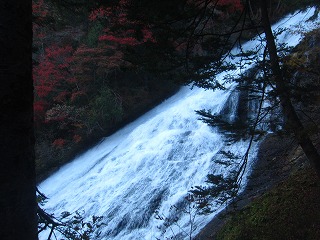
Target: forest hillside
x=98, y=67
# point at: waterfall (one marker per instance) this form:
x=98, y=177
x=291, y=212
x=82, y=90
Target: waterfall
x=151, y=164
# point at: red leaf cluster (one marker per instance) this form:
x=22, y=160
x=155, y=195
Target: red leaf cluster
x=120, y=28
x=53, y=79
x=59, y=143
x=53, y=72
x=39, y=9
x=77, y=138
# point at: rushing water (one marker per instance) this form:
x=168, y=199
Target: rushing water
x=150, y=164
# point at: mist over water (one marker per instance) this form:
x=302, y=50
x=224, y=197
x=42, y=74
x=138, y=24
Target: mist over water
x=152, y=163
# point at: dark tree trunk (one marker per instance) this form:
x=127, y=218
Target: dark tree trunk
x=283, y=92
x=18, y=219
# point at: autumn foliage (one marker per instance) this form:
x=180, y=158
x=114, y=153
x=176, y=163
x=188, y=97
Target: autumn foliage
x=52, y=78
x=120, y=28
x=123, y=57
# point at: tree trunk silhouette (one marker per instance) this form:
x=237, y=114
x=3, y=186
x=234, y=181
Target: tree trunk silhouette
x=18, y=219
x=283, y=92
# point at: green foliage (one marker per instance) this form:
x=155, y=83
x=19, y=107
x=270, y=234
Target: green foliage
x=289, y=211
x=233, y=130
x=73, y=226
x=302, y=69
x=221, y=189
x=93, y=34
x=105, y=108
x=76, y=227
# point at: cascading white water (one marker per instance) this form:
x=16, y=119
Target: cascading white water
x=151, y=164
